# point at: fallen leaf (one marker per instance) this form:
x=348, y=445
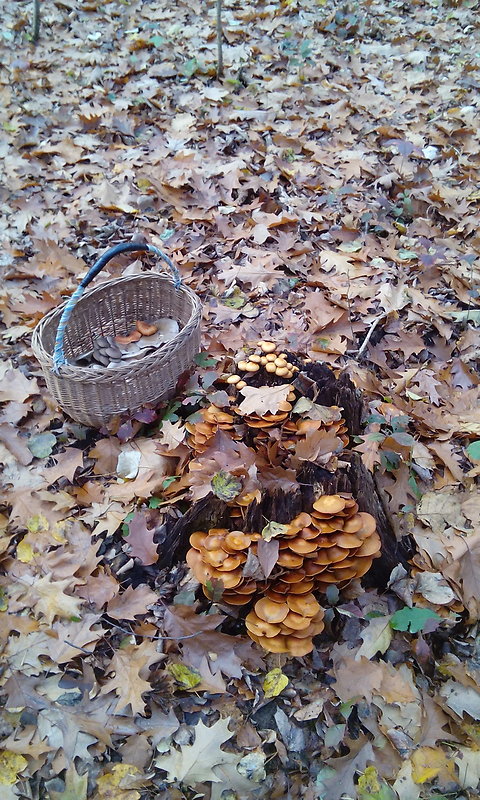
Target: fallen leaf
x=264, y=400
x=274, y=683
x=140, y=539
x=130, y=665
x=132, y=602
x=10, y=765
x=376, y=638
x=194, y=763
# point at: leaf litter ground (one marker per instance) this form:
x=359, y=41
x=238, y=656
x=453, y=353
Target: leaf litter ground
x=325, y=194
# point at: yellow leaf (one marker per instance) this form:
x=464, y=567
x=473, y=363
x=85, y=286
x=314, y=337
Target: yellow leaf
x=118, y=783
x=274, y=683
x=429, y=763
x=24, y=551
x=37, y=523
x=10, y=765
x=186, y=677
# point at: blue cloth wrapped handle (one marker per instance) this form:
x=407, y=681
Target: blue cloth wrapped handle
x=126, y=247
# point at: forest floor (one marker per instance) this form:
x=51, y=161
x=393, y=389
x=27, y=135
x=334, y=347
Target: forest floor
x=324, y=193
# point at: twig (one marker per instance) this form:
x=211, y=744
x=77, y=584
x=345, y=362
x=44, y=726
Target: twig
x=77, y=647
x=156, y=638
x=370, y=331
x=219, y=39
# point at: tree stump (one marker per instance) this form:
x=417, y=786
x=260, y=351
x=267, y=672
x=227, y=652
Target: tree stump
x=318, y=383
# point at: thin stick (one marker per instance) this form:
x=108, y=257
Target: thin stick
x=219, y=39
x=369, y=334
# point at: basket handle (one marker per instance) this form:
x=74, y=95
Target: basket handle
x=126, y=247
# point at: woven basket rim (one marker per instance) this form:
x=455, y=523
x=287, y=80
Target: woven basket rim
x=100, y=373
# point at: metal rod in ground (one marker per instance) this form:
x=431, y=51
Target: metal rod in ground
x=36, y=21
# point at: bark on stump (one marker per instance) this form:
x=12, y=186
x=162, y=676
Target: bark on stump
x=318, y=383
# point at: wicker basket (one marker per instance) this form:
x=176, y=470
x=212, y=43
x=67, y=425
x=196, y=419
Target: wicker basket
x=93, y=395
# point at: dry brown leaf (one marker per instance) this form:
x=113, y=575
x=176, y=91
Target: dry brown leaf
x=132, y=603
x=264, y=400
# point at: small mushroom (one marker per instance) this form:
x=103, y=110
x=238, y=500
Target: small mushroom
x=271, y=357
x=146, y=328
x=259, y=626
x=282, y=372
x=129, y=338
x=197, y=539
x=329, y=504
x=304, y=604
x=267, y=347
x=242, y=365
x=233, y=379
x=298, y=647
x=280, y=362
x=295, y=622
x=251, y=367
x=256, y=359
x=241, y=384
x=270, y=611
x=237, y=540
x=270, y=367
x=263, y=360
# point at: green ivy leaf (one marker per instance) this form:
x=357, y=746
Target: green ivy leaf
x=412, y=619
x=205, y=360
x=473, y=451
x=42, y=444
x=155, y=502
x=273, y=529
x=226, y=486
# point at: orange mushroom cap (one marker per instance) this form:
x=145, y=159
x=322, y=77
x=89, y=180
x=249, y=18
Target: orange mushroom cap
x=298, y=647
x=288, y=559
x=304, y=604
x=329, y=504
x=271, y=611
x=260, y=627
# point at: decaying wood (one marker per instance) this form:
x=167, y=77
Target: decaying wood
x=319, y=384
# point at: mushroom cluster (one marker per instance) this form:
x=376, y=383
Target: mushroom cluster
x=264, y=357
x=219, y=555
x=333, y=544
x=202, y=432
x=285, y=621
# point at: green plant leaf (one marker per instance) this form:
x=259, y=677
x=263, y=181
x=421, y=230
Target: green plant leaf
x=273, y=529
x=42, y=444
x=473, y=451
x=412, y=619
x=226, y=486
x=205, y=360
x=186, y=677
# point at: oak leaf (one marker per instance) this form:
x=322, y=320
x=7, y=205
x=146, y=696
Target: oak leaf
x=66, y=465
x=15, y=386
x=132, y=602
x=130, y=665
x=51, y=599
x=194, y=763
x=140, y=539
x=264, y=400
